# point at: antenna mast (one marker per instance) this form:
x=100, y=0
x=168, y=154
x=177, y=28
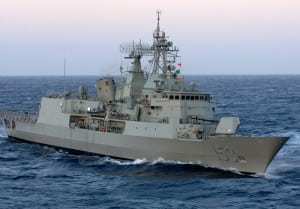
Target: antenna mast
x=164, y=53
x=158, y=12
x=64, y=74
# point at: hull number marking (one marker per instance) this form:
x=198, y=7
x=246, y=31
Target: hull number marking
x=226, y=154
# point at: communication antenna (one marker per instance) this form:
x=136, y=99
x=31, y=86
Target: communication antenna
x=158, y=13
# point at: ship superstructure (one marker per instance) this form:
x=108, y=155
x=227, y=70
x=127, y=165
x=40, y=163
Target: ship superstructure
x=149, y=114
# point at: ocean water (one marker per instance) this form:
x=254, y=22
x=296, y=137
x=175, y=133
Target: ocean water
x=36, y=176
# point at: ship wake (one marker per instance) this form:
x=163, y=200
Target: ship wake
x=286, y=161
x=160, y=168
x=2, y=132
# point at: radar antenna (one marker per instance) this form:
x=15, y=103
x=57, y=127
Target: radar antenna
x=135, y=51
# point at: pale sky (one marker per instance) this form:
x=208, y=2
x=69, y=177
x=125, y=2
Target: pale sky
x=214, y=36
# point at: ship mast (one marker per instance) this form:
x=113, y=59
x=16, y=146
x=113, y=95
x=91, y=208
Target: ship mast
x=64, y=75
x=162, y=50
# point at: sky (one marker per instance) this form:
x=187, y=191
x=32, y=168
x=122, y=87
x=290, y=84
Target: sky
x=214, y=36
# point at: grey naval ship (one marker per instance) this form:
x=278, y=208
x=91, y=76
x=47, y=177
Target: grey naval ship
x=150, y=114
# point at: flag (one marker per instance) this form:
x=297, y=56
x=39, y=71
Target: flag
x=179, y=65
x=177, y=72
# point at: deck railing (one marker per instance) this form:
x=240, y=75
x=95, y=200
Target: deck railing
x=19, y=116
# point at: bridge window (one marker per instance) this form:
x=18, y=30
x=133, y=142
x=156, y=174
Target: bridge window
x=196, y=97
x=171, y=97
x=182, y=97
x=192, y=98
x=187, y=97
x=176, y=97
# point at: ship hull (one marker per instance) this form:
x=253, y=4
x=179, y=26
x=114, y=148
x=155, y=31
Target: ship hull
x=245, y=154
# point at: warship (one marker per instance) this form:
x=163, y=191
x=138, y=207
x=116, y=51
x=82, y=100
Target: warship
x=150, y=114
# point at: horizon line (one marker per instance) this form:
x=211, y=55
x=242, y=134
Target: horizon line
x=73, y=75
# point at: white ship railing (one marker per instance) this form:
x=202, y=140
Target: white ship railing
x=19, y=116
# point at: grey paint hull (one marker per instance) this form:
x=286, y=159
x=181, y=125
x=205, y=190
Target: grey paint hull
x=246, y=154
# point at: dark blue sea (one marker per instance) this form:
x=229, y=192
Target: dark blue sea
x=36, y=176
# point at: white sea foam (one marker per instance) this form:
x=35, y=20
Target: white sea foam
x=157, y=161
x=162, y=161
x=141, y=161
x=270, y=90
x=294, y=138
x=292, y=145
x=123, y=162
x=272, y=175
x=2, y=132
x=288, y=157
